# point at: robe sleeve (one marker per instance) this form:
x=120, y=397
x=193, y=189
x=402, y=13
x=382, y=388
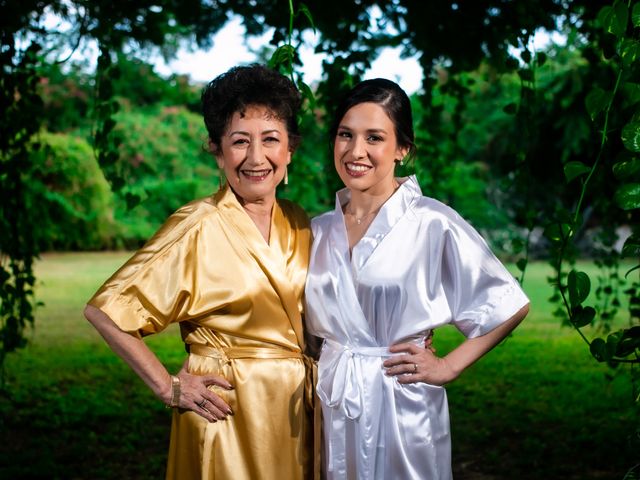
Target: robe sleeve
x=481, y=293
x=155, y=287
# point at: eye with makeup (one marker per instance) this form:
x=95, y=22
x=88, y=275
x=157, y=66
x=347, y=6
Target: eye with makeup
x=343, y=134
x=271, y=139
x=240, y=142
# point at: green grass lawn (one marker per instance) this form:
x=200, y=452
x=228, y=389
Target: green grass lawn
x=537, y=407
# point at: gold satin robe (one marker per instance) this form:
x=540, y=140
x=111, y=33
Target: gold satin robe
x=238, y=302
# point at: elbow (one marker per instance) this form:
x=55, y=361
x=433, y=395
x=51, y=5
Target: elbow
x=93, y=314
x=521, y=314
x=88, y=312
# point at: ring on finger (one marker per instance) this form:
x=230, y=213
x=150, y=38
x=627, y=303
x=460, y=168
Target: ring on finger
x=202, y=403
x=415, y=368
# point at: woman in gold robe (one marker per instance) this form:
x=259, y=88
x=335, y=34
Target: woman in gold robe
x=230, y=269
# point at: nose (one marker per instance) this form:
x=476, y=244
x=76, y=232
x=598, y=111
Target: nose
x=358, y=149
x=255, y=154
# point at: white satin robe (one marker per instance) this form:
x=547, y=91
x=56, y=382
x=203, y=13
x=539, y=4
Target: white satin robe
x=419, y=266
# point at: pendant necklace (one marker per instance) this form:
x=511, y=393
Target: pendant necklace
x=360, y=219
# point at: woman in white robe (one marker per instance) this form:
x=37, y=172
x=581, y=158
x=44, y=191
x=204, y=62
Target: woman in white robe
x=389, y=265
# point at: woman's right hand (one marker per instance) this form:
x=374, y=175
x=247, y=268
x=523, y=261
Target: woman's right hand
x=195, y=396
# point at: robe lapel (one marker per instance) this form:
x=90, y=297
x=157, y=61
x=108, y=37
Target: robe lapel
x=272, y=258
x=388, y=216
x=344, y=284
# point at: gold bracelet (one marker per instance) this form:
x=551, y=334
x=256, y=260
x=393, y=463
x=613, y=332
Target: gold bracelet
x=175, y=392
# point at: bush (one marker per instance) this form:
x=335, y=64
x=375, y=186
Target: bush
x=71, y=195
x=164, y=148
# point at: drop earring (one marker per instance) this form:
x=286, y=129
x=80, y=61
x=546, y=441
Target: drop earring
x=221, y=178
x=286, y=176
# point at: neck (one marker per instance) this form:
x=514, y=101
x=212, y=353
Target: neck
x=260, y=213
x=366, y=202
x=258, y=206
x=258, y=209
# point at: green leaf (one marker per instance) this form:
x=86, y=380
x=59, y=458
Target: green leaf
x=635, y=15
x=283, y=55
x=629, y=51
x=631, y=270
x=510, y=109
x=579, y=286
x=511, y=63
x=307, y=13
x=629, y=342
x=517, y=245
x=306, y=92
x=526, y=56
x=521, y=264
x=596, y=101
x=117, y=184
x=631, y=136
x=132, y=200
x=541, y=58
x=631, y=247
x=557, y=232
x=614, y=19
x=575, y=169
x=628, y=196
x=626, y=168
x=612, y=344
x=631, y=92
x=582, y=316
x=598, y=349
x=526, y=75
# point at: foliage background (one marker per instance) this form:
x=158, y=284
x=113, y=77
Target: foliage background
x=538, y=149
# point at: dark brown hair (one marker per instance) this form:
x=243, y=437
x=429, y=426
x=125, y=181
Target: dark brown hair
x=391, y=98
x=246, y=86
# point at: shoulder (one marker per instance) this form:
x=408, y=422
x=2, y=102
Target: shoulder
x=294, y=213
x=183, y=223
x=171, y=244
x=322, y=222
x=428, y=209
x=444, y=222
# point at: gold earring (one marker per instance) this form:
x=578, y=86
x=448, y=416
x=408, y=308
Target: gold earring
x=221, y=178
x=286, y=176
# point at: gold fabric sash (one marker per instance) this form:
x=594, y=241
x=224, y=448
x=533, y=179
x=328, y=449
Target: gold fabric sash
x=311, y=377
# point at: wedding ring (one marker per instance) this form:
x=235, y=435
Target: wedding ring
x=202, y=403
x=415, y=368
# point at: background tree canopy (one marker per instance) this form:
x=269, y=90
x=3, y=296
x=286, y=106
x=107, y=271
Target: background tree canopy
x=539, y=149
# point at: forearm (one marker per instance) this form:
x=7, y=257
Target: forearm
x=472, y=349
x=133, y=351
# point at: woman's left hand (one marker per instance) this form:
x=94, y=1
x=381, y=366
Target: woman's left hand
x=417, y=364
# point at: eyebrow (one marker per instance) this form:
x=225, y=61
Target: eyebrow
x=369, y=130
x=264, y=132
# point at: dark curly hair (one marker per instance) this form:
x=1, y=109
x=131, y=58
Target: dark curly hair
x=246, y=86
x=391, y=97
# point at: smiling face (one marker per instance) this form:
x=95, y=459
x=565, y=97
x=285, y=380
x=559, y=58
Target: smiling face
x=254, y=152
x=366, y=148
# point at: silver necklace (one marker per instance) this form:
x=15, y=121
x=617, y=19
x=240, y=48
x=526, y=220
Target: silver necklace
x=360, y=219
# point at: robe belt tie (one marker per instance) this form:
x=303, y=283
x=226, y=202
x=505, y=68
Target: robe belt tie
x=341, y=383
x=226, y=354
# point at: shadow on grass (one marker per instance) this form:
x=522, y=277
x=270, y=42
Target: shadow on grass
x=537, y=407
x=96, y=422
x=79, y=413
